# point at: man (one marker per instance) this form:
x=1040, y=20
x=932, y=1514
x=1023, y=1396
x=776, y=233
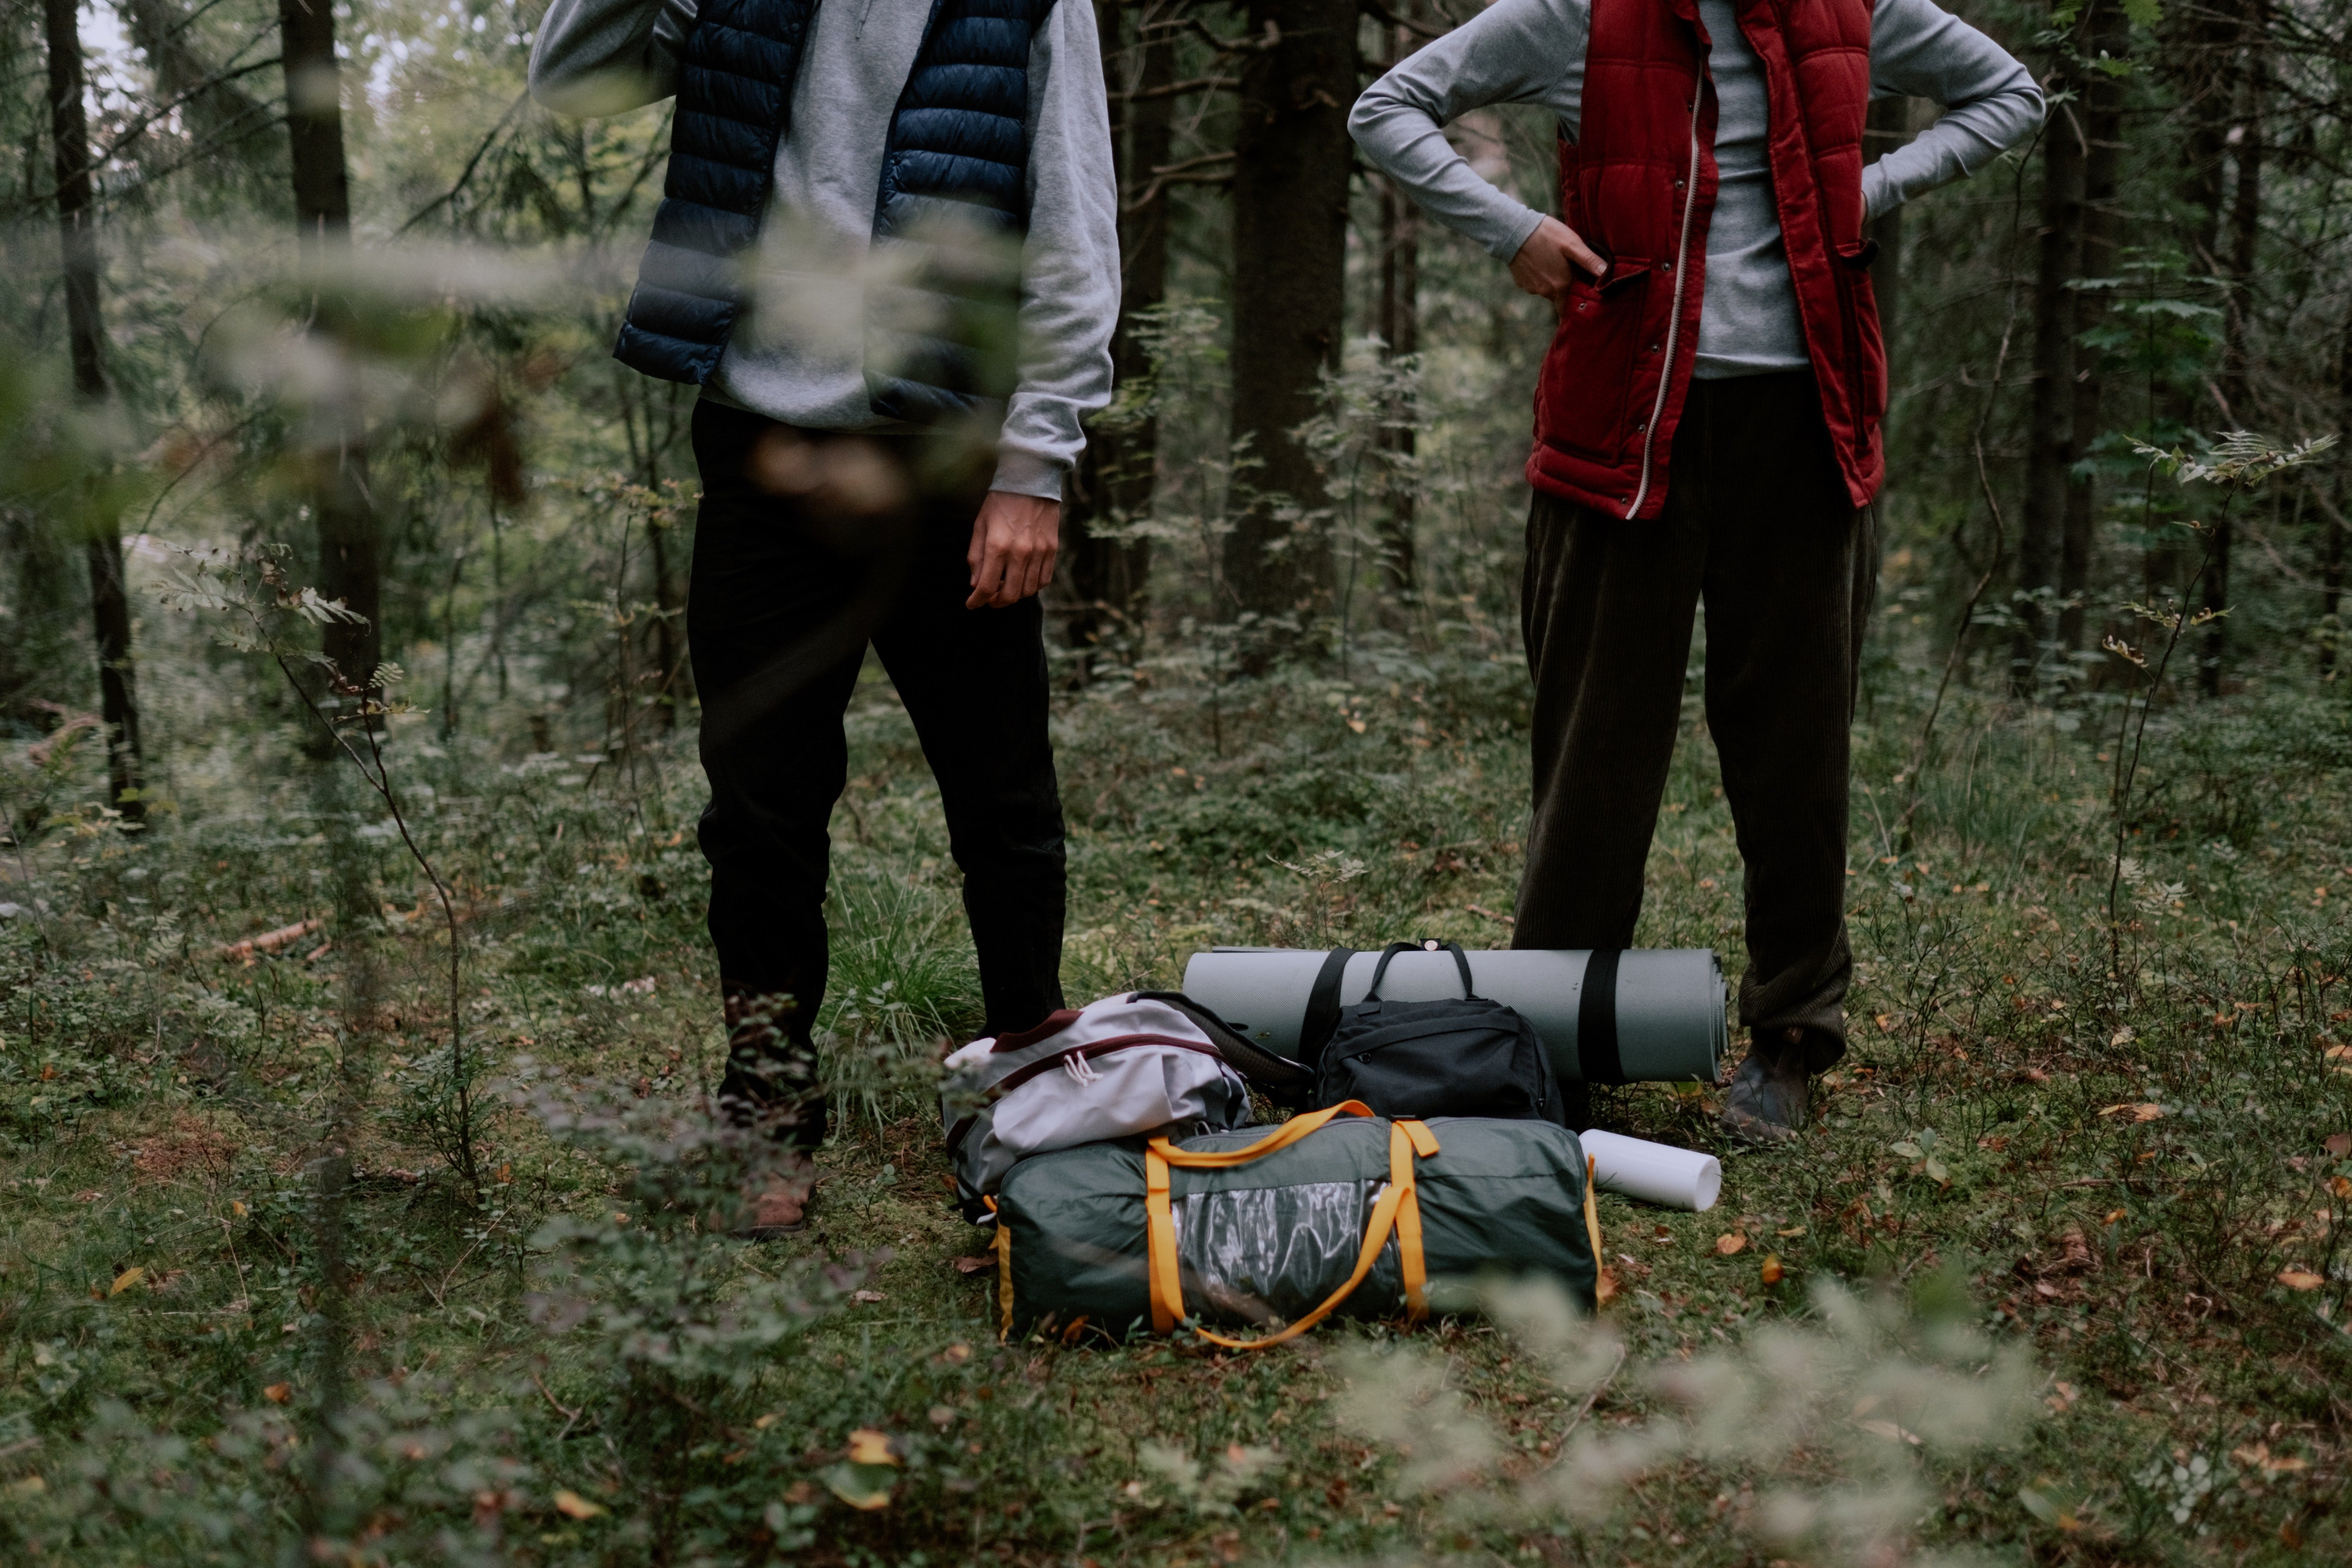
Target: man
x=889, y=253
x=1706, y=428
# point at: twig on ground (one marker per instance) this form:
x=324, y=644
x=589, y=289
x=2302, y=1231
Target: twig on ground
x=1559, y=1451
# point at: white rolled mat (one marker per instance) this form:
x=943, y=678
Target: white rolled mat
x=1653, y=1173
x=1666, y=1006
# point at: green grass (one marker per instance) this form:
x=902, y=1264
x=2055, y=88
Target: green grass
x=2100, y=1171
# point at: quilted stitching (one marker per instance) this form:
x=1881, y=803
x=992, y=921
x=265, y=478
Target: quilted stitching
x=1619, y=189
x=959, y=136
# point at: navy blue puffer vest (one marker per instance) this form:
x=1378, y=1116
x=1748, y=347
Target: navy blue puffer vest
x=958, y=147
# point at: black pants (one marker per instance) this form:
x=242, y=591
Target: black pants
x=808, y=546
x=1758, y=525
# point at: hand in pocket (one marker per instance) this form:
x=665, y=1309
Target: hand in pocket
x=1552, y=259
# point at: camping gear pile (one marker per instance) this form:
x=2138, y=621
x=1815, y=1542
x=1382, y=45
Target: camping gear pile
x=1113, y=1151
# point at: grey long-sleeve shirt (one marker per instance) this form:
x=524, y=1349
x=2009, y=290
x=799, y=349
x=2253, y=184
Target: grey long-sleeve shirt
x=1532, y=51
x=798, y=355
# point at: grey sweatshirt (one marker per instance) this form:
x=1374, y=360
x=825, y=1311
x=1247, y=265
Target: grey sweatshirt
x=1532, y=51
x=798, y=355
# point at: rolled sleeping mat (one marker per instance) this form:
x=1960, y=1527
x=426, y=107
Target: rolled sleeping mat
x=1614, y=1016
x=1653, y=1173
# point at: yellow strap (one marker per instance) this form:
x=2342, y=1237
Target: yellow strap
x=1004, y=1245
x=1407, y=1139
x=1592, y=1219
x=1424, y=1142
x=1282, y=1137
x=1397, y=1209
x=1159, y=1236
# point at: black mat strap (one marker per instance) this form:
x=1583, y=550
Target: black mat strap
x=1596, y=1018
x=1323, y=1007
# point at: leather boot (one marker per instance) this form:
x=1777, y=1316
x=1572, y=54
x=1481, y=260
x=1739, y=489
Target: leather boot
x=1768, y=1091
x=777, y=1202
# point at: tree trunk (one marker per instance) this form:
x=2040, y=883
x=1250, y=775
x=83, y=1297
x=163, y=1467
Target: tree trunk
x=2245, y=243
x=1106, y=577
x=335, y=457
x=666, y=660
x=2331, y=565
x=2195, y=63
x=110, y=601
x=1292, y=160
x=1400, y=331
x=2103, y=112
x=2050, y=440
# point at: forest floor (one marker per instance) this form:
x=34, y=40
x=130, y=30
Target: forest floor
x=2072, y=1195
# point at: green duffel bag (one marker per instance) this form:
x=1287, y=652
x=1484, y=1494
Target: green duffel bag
x=1334, y=1210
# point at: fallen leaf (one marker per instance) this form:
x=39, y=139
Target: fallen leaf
x=2113, y=1215
x=2045, y=1502
x=278, y=1393
x=2300, y=1279
x=867, y=1296
x=971, y=1265
x=942, y=1416
x=956, y=1355
x=1792, y=1230
x=1604, y=1286
x=124, y=1280
x=236, y=1208
x=1771, y=1273
x=2145, y=1111
x=1727, y=1244
x=865, y=1488
x=1890, y=1430
x=31, y=1485
x=572, y=1505
x=2338, y=1144
x=869, y=1447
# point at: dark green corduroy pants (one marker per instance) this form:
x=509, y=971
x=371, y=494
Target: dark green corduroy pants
x=1758, y=527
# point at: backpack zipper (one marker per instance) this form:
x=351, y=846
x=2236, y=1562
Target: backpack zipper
x=1674, y=321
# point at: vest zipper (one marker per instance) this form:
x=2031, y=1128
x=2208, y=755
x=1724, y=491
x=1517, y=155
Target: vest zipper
x=1674, y=321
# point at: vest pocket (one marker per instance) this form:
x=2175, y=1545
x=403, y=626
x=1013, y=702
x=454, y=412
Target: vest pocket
x=1585, y=397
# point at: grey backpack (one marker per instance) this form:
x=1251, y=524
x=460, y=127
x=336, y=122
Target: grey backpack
x=1141, y=1063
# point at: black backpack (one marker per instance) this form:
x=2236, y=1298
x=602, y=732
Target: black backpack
x=1471, y=1057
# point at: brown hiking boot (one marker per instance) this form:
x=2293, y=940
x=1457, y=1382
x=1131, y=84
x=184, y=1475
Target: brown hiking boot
x=1767, y=1102
x=776, y=1204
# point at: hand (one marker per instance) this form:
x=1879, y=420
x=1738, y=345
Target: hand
x=1013, y=542
x=1547, y=263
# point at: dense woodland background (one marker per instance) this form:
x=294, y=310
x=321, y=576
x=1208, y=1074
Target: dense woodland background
x=219, y=280
x=350, y=1059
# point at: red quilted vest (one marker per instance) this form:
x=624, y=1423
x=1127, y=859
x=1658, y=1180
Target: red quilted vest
x=1639, y=185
